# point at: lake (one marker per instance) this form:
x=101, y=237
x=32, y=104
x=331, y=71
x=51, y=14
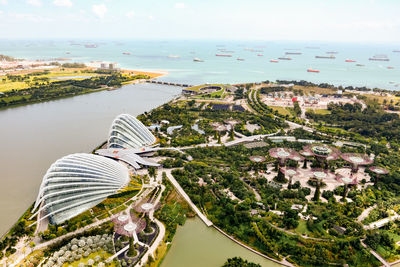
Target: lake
x=197, y=245
x=34, y=136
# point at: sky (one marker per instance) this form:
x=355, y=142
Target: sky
x=366, y=21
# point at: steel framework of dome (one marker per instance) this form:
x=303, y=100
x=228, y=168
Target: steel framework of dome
x=128, y=132
x=76, y=183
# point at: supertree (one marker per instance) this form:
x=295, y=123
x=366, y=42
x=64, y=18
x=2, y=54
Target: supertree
x=257, y=160
x=379, y=171
x=347, y=181
x=283, y=154
x=290, y=172
x=356, y=160
x=322, y=153
x=319, y=174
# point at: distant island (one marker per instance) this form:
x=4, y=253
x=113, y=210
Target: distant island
x=299, y=173
x=25, y=82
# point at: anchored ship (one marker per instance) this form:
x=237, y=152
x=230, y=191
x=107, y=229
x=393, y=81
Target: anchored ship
x=327, y=57
x=311, y=70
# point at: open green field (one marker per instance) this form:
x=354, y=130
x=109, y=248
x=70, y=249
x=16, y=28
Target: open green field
x=217, y=94
x=198, y=87
x=320, y=111
x=8, y=84
x=281, y=110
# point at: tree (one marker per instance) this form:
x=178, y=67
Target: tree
x=239, y=262
x=317, y=191
x=131, y=251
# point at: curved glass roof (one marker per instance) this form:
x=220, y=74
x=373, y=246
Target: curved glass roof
x=76, y=183
x=128, y=132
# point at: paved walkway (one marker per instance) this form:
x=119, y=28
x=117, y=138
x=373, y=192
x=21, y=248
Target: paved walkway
x=365, y=213
x=155, y=244
x=382, y=260
x=186, y=197
x=380, y=223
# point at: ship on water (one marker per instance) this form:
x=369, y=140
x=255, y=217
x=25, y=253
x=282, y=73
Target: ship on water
x=360, y=65
x=326, y=57
x=126, y=53
x=379, y=58
x=240, y=59
x=293, y=53
x=223, y=55
x=196, y=59
x=332, y=52
x=284, y=58
x=273, y=61
x=396, y=51
x=349, y=60
x=91, y=45
x=311, y=70
x=173, y=56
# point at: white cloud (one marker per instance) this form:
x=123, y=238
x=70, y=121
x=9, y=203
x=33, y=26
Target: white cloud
x=1, y=12
x=34, y=2
x=66, y=3
x=180, y=5
x=99, y=10
x=130, y=14
x=3, y=2
x=151, y=17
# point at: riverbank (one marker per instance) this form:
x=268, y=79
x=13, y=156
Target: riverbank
x=28, y=87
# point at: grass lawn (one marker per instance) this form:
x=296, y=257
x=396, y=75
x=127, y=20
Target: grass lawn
x=8, y=86
x=198, y=87
x=302, y=228
x=101, y=253
x=119, y=209
x=217, y=94
x=313, y=89
x=281, y=110
x=159, y=255
x=320, y=111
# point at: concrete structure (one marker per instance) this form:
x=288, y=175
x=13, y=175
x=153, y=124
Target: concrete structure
x=128, y=132
x=76, y=183
x=127, y=155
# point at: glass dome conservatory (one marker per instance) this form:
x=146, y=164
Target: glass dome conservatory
x=76, y=183
x=128, y=132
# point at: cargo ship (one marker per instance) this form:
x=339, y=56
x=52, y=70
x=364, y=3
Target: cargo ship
x=240, y=59
x=311, y=70
x=260, y=55
x=396, y=51
x=273, y=61
x=326, y=57
x=126, y=53
x=285, y=58
x=223, y=55
x=349, y=60
x=196, y=59
x=381, y=57
x=293, y=53
x=378, y=59
x=390, y=68
x=360, y=65
x=91, y=45
x=332, y=52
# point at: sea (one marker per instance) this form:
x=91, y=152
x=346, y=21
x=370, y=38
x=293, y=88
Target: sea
x=176, y=58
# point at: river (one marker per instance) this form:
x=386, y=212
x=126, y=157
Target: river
x=197, y=245
x=34, y=136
